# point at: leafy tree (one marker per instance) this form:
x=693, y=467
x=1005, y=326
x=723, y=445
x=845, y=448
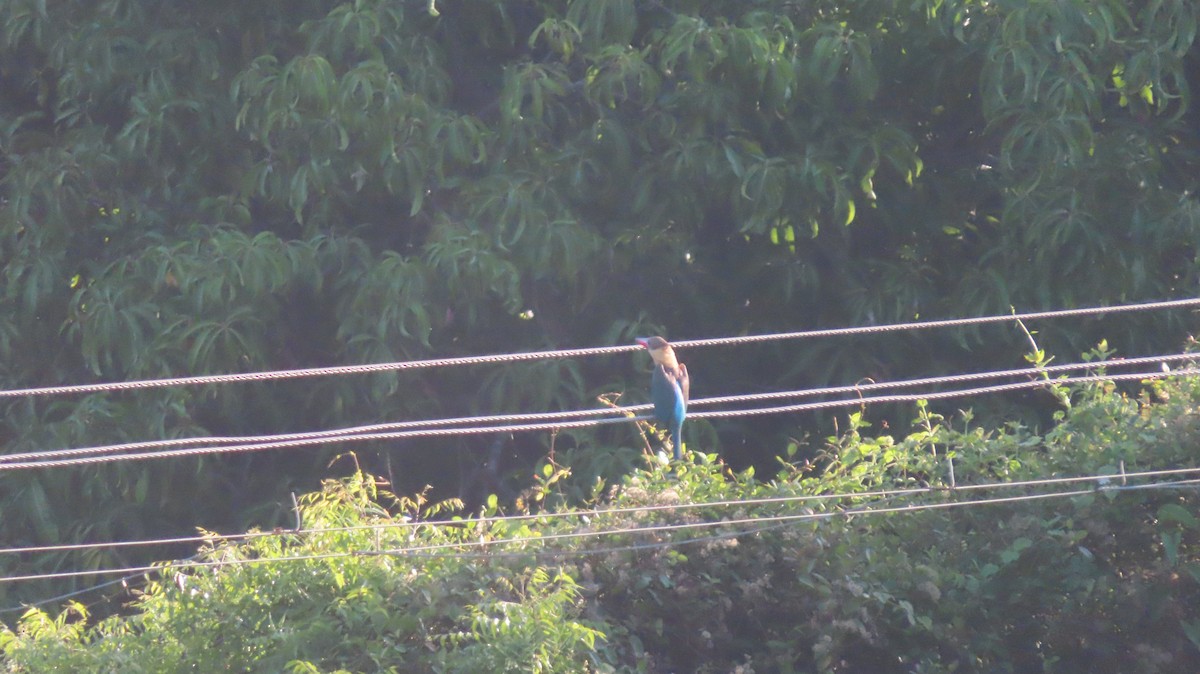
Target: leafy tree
x=230, y=186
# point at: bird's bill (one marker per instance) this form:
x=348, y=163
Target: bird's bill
x=643, y=341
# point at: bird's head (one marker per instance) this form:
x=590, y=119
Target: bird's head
x=660, y=350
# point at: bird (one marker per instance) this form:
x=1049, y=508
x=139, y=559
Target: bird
x=669, y=389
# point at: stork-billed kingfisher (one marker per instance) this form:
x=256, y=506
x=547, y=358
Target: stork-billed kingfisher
x=668, y=389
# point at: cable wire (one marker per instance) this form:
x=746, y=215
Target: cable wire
x=82, y=591
x=943, y=395
x=779, y=520
x=592, y=513
x=49, y=459
x=438, y=550
x=577, y=353
x=1103, y=480
x=627, y=411
x=326, y=435
x=947, y=379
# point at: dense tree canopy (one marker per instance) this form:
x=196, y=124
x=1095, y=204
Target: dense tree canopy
x=226, y=186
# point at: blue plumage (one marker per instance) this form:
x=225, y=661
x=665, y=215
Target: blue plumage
x=669, y=389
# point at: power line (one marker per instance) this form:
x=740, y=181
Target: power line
x=578, y=353
x=304, y=442
x=597, y=513
x=942, y=395
x=946, y=379
x=330, y=435
x=175, y=540
x=50, y=459
x=944, y=323
x=327, y=435
x=433, y=549
x=75, y=593
x=660, y=528
x=592, y=513
x=626, y=411
x=438, y=549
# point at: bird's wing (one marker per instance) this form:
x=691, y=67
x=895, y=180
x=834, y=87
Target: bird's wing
x=662, y=392
x=685, y=384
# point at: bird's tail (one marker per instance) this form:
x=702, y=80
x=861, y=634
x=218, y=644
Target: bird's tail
x=677, y=440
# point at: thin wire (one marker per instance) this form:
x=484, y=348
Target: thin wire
x=126, y=578
x=577, y=353
x=254, y=447
x=575, y=414
x=563, y=553
x=75, y=593
x=944, y=323
x=67, y=595
x=50, y=462
x=1050, y=481
x=781, y=520
x=886, y=494
x=596, y=512
x=313, y=371
x=178, y=540
x=318, y=556
x=1174, y=484
x=601, y=512
x=428, y=551
x=329, y=435
x=946, y=379
x=942, y=395
x=659, y=528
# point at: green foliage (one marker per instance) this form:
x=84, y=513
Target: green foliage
x=527, y=635
x=1106, y=580
x=226, y=187
x=370, y=612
